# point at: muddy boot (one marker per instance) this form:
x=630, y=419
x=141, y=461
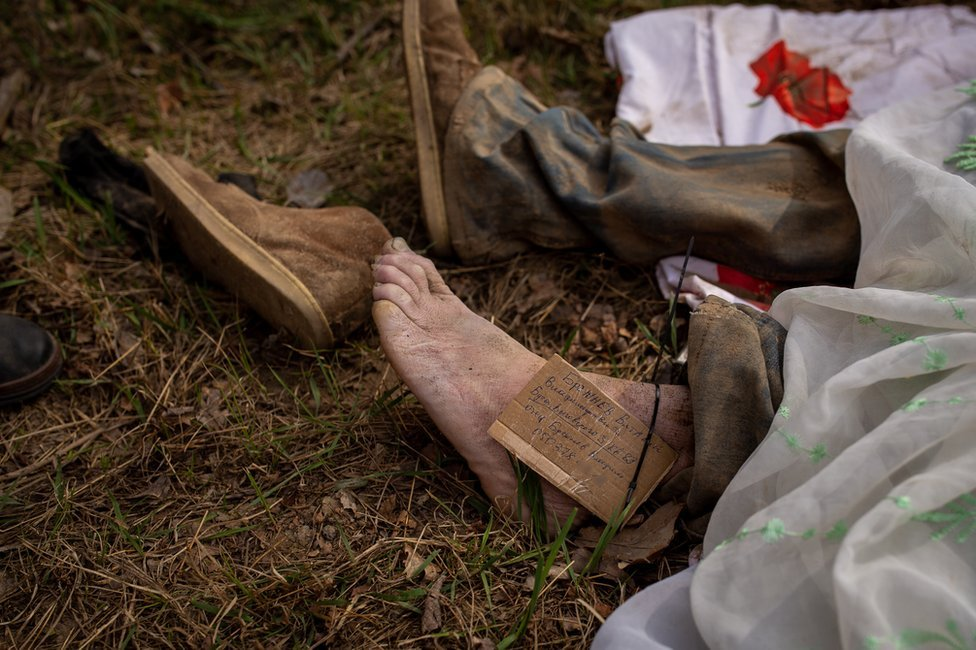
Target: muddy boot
x=30, y=359
x=440, y=63
x=307, y=271
x=735, y=373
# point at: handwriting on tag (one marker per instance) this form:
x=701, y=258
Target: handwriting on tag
x=581, y=440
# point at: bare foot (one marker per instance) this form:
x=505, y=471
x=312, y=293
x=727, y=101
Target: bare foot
x=464, y=371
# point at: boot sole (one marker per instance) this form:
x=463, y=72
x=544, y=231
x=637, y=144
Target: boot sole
x=428, y=152
x=224, y=253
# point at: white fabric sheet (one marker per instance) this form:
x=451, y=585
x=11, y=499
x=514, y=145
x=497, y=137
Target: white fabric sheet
x=853, y=525
x=686, y=76
x=701, y=280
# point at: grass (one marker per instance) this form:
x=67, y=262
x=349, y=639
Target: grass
x=195, y=480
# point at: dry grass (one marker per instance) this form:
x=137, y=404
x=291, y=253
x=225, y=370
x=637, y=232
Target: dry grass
x=193, y=480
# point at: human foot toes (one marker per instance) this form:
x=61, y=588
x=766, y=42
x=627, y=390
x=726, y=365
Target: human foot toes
x=464, y=371
x=461, y=368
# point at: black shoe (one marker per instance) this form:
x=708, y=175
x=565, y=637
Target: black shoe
x=106, y=178
x=30, y=359
x=103, y=176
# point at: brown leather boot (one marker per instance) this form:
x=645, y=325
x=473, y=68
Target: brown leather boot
x=440, y=63
x=307, y=271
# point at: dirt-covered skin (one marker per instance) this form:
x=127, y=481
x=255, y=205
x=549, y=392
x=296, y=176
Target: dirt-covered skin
x=464, y=371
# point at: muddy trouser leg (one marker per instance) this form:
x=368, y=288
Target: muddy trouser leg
x=735, y=373
x=518, y=176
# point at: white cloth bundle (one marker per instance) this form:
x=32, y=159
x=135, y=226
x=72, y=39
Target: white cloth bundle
x=686, y=75
x=853, y=525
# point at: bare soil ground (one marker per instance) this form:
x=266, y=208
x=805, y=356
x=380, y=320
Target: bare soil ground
x=194, y=479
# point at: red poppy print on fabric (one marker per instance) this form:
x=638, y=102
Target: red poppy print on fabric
x=815, y=96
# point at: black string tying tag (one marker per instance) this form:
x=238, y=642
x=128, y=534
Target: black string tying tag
x=669, y=323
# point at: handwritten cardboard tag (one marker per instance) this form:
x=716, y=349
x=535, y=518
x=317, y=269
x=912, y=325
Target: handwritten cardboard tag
x=581, y=440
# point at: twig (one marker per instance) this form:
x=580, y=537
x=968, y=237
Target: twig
x=346, y=48
x=10, y=88
x=59, y=451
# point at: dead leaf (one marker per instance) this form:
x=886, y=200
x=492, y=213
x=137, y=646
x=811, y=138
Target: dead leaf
x=349, y=501
x=330, y=506
x=169, y=98
x=569, y=625
x=477, y=643
x=558, y=572
x=431, y=618
x=387, y=507
x=157, y=489
x=431, y=572
x=579, y=558
x=542, y=290
x=637, y=543
x=309, y=189
x=10, y=88
x=151, y=40
x=212, y=416
x=413, y=561
x=563, y=35
x=404, y=519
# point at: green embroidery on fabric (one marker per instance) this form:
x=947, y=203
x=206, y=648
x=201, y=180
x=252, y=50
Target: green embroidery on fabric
x=916, y=404
x=836, y=533
x=783, y=411
x=965, y=155
x=895, y=337
x=957, y=312
x=935, y=358
x=914, y=638
x=739, y=535
x=775, y=530
x=905, y=503
x=791, y=441
x=958, y=516
x=816, y=453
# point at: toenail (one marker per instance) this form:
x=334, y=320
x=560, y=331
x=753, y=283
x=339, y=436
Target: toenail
x=400, y=244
